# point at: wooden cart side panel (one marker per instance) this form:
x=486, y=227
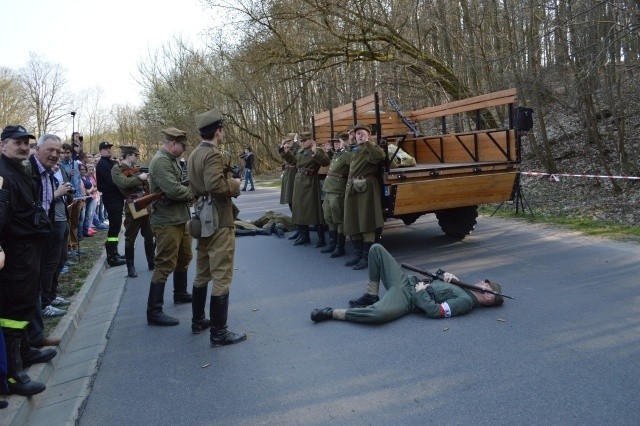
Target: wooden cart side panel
x=453, y=147
x=488, y=100
x=448, y=193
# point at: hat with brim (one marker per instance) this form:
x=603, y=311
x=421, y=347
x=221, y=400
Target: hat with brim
x=105, y=145
x=305, y=136
x=362, y=126
x=209, y=121
x=128, y=150
x=16, y=132
x=175, y=134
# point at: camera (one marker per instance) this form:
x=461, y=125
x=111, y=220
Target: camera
x=81, y=138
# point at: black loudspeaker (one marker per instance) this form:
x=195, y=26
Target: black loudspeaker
x=524, y=119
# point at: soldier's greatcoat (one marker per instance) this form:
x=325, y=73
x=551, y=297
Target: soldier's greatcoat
x=306, y=207
x=288, y=176
x=363, y=210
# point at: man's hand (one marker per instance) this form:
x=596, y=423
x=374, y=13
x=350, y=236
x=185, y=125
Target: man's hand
x=421, y=286
x=448, y=277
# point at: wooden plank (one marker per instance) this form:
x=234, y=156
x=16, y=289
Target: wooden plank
x=465, y=105
x=447, y=193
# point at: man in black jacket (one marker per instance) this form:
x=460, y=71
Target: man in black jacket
x=113, y=202
x=22, y=238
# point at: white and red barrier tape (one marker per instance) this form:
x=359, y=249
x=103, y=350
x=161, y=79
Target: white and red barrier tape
x=556, y=175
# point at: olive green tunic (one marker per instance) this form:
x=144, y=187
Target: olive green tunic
x=165, y=174
x=288, y=177
x=334, y=187
x=306, y=206
x=363, y=210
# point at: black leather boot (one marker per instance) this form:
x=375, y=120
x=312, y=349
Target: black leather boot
x=31, y=355
x=180, y=294
x=131, y=267
x=155, y=316
x=295, y=234
x=357, y=247
x=150, y=252
x=220, y=336
x=112, y=254
x=319, y=315
x=363, y=301
x=332, y=242
x=363, y=263
x=339, y=250
x=18, y=380
x=303, y=239
x=321, y=240
x=199, y=321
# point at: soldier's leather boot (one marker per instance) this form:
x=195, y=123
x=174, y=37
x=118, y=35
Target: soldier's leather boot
x=150, y=252
x=18, y=380
x=333, y=234
x=112, y=254
x=339, y=250
x=363, y=301
x=357, y=247
x=363, y=263
x=220, y=336
x=31, y=355
x=319, y=315
x=321, y=240
x=155, y=316
x=303, y=239
x=295, y=234
x=131, y=267
x=199, y=321
x=180, y=294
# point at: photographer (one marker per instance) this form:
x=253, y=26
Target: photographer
x=248, y=168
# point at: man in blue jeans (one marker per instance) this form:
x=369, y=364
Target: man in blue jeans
x=248, y=168
x=407, y=293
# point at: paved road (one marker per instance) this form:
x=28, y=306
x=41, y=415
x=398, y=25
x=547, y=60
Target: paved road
x=565, y=351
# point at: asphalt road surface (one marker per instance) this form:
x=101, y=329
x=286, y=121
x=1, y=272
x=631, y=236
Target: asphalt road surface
x=566, y=350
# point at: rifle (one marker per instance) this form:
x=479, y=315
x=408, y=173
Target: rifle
x=144, y=201
x=410, y=124
x=439, y=275
x=135, y=170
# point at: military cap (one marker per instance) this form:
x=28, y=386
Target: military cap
x=362, y=126
x=175, y=134
x=305, y=135
x=128, y=149
x=343, y=135
x=16, y=132
x=209, y=121
x=499, y=300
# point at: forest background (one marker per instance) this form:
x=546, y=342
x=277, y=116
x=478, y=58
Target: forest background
x=275, y=63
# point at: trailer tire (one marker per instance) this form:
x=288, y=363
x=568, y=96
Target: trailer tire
x=458, y=222
x=408, y=219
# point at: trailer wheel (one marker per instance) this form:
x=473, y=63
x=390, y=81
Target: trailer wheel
x=459, y=222
x=408, y=219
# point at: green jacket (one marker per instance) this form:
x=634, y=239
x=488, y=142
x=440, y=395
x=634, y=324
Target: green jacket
x=208, y=176
x=288, y=175
x=339, y=165
x=449, y=301
x=128, y=185
x=306, y=207
x=165, y=174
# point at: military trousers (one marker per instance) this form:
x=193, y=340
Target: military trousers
x=333, y=210
x=173, y=250
x=396, y=302
x=214, y=260
x=133, y=226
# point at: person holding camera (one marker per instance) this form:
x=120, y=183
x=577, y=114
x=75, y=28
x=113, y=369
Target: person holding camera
x=133, y=183
x=72, y=169
x=248, y=158
x=22, y=238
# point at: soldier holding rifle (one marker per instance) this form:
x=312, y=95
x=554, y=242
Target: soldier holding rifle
x=407, y=293
x=133, y=183
x=169, y=224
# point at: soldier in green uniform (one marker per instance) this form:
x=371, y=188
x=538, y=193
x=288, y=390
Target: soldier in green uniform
x=289, y=171
x=209, y=179
x=362, y=202
x=407, y=294
x=169, y=218
x=334, y=187
x=306, y=208
x=133, y=184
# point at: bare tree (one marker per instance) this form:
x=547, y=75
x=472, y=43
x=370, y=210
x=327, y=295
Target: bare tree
x=44, y=84
x=13, y=105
